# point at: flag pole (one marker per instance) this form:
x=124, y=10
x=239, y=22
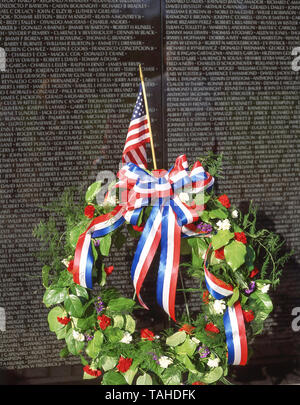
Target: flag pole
x=148, y=118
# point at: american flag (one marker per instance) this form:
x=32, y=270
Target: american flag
x=138, y=134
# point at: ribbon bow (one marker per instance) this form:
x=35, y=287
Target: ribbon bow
x=169, y=220
x=233, y=317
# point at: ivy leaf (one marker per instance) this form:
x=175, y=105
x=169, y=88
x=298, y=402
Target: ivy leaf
x=105, y=243
x=54, y=296
x=176, y=339
x=187, y=362
x=118, y=321
x=74, y=306
x=129, y=375
x=92, y=191
x=80, y=291
x=144, y=379
x=221, y=239
x=235, y=254
x=94, y=346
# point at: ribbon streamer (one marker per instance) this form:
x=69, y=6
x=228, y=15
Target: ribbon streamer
x=169, y=220
x=233, y=319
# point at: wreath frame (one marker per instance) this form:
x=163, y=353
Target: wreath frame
x=101, y=328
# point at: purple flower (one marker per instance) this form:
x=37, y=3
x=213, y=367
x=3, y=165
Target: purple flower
x=203, y=351
x=88, y=337
x=96, y=242
x=155, y=358
x=99, y=305
x=203, y=227
x=251, y=288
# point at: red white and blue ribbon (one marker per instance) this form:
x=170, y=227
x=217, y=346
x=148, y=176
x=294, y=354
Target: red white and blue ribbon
x=233, y=317
x=169, y=220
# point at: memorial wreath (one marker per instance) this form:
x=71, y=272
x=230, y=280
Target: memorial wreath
x=202, y=236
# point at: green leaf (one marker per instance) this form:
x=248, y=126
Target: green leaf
x=185, y=248
x=77, y=231
x=176, y=339
x=171, y=376
x=54, y=325
x=188, y=347
x=235, y=254
x=213, y=375
x=108, y=362
x=54, y=296
x=114, y=335
x=144, y=379
x=45, y=275
x=129, y=323
x=74, y=306
x=221, y=239
x=121, y=304
x=263, y=300
x=92, y=191
x=250, y=257
x=74, y=346
x=129, y=375
x=235, y=296
x=86, y=323
x=94, y=346
x=80, y=291
x=64, y=352
x=105, y=243
x=205, y=216
x=220, y=213
x=187, y=362
x=113, y=378
x=118, y=321
x=103, y=275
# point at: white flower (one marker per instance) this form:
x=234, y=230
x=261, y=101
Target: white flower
x=184, y=197
x=213, y=363
x=219, y=306
x=223, y=225
x=165, y=361
x=235, y=214
x=156, y=337
x=78, y=336
x=265, y=288
x=127, y=338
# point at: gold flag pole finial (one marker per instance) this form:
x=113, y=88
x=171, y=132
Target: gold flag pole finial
x=148, y=118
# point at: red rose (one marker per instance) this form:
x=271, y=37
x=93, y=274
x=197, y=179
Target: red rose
x=138, y=228
x=95, y=373
x=147, y=334
x=124, y=364
x=210, y=327
x=89, y=211
x=187, y=328
x=254, y=272
x=205, y=297
x=104, y=321
x=219, y=254
x=240, y=237
x=248, y=315
x=70, y=266
x=108, y=270
x=224, y=200
x=64, y=321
